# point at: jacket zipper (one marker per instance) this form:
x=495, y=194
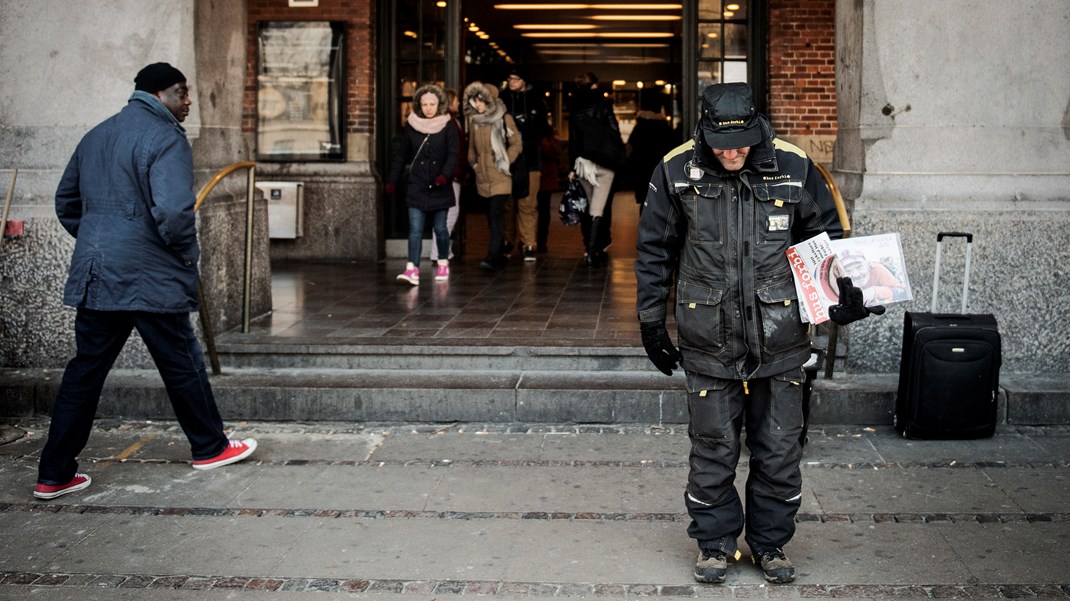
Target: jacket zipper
x=741, y=248
x=747, y=293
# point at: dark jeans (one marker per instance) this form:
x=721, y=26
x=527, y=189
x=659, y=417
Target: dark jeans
x=417, y=219
x=495, y=212
x=100, y=336
x=772, y=412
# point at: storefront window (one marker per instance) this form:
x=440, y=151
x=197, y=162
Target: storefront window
x=300, y=80
x=722, y=40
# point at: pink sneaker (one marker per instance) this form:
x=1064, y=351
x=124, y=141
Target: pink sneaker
x=442, y=273
x=410, y=276
x=51, y=491
x=235, y=452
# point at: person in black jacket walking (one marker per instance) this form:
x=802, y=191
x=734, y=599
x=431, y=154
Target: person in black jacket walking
x=526, y=106
x=431, y=144
x=650, y=140
x=595, y=152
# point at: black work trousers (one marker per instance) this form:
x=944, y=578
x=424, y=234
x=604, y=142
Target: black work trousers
x=771, y=408
x=100, y=336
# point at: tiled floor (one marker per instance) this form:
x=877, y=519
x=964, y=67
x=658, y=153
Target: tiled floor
x=554, y=300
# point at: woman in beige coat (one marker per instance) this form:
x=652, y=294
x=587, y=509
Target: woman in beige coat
x=493, y=144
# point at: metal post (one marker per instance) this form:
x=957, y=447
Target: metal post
x=247, y=284
x=7, y=205
x=936, y=277
x=830, y=349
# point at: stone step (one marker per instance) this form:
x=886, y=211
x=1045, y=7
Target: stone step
x=456, y=357
x=493, y=396
x=424, y=395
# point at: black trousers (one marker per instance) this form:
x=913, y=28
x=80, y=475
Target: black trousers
x=495, y=223
x=100, y=336
x=771, y=408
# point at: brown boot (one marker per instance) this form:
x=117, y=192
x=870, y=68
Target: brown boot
x=712, y=566
x=777, y=567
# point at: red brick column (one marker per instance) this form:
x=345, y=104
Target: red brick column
x=802, y=72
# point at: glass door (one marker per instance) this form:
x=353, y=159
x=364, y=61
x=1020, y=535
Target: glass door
x=413, y=53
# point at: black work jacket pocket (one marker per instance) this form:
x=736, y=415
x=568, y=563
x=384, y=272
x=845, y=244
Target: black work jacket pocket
x=778, y=307
x=775, y=207
x=787, y=415
x=706, y=210
x=700, y=317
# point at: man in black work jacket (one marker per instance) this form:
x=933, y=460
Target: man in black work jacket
x=526, y=106
x=720, y=213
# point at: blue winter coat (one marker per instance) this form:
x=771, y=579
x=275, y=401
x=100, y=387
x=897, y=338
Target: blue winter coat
x=127, y=197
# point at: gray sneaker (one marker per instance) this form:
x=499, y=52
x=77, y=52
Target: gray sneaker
x=712, y=566
x=777, y=567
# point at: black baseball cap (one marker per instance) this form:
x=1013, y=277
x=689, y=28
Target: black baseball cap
x=729, y=117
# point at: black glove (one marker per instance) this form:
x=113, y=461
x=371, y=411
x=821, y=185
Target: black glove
x=851, y=306
x=659, y=347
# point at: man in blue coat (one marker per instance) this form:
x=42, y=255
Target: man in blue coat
x=127, y=198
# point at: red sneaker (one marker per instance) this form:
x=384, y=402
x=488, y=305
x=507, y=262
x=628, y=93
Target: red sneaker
x=235, y=452
x=51, y=491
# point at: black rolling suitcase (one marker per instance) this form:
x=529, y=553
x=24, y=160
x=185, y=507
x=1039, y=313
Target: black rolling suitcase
x=949, y=373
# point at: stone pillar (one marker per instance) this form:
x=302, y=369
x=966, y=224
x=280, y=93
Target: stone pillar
x=955, y=116
x=220, y=61
x=67, y=66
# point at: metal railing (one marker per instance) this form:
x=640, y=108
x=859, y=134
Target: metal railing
x=247, y=275
x=841, y=209
x=7, y=205
x=845, y=223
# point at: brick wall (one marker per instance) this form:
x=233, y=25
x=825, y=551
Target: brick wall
x=802, y=67
x=359, y=16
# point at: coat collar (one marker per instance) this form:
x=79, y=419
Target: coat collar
x=155, y=105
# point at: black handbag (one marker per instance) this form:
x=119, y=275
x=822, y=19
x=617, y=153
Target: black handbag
x=573, y=203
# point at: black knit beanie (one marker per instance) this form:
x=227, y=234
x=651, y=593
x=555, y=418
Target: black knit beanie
x=156, y=77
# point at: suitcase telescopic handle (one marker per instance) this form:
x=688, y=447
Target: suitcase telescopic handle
x=969, y=237
x=936, y=271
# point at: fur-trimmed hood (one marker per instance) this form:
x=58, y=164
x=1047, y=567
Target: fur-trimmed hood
x=443, y=103
x=478, y=89
x=495, y=125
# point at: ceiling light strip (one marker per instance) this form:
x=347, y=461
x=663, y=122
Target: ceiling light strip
x=589, y=6
x=622, y=34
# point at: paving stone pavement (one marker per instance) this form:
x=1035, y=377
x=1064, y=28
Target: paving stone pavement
x=433, y=511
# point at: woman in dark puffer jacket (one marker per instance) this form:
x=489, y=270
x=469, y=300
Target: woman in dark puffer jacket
x=431, y=144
